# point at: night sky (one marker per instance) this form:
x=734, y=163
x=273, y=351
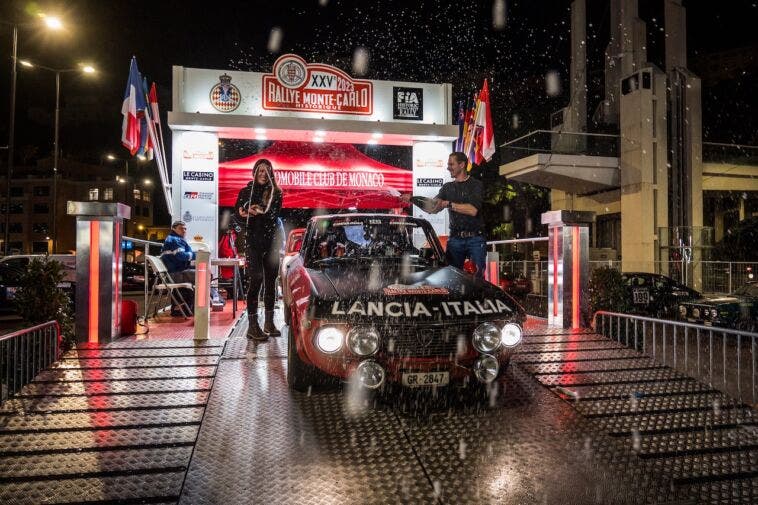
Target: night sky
x=428, y=40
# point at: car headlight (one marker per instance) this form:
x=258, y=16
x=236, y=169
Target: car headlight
x=363, y=340
x=683, y=310
x=486, y=338
x=510, y=335
x=696, y=312
x=329, y=339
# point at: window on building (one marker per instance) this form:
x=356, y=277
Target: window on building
x=41, y=208
x=17, y=191
x=608, y=231
x=40, y=228
x=108, y=194
x=15, y=208
x=145, y=196
x=137, y=194
x=39, y=247
x=15, y=247
x=94, y=194
x=146, y=211
x=41, y=190
x=16, y=228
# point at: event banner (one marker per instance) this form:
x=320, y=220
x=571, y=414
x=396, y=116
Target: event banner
x=199, y=205
x=429, y=174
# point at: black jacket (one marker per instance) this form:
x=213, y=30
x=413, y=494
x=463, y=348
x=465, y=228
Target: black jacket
x=263, y=227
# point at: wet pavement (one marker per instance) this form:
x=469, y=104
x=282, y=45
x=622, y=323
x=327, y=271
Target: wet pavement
x=576, y=419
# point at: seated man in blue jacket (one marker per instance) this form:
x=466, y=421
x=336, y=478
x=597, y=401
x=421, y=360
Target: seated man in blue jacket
x=177, y=255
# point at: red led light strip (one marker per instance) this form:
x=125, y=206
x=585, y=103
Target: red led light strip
x=555, y=272
x=202, y=284
x=94, y=280
x=575, y=277
x=116, y=277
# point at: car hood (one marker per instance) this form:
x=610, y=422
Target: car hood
x=717, y=300
x=429, y=293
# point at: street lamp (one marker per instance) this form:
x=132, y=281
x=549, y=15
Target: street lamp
x=52, y=23
x=87, y=69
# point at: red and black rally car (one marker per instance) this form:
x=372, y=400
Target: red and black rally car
x=370, y=297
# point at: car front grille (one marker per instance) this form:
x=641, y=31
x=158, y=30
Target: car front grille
x=426, y=341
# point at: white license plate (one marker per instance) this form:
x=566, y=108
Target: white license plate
x=426, y=379
x=641, y=296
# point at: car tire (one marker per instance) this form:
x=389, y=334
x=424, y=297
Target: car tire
x=300, y=375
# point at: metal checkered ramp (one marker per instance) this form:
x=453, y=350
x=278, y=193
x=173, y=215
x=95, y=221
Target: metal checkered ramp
x=111, y=423
x=703, y=443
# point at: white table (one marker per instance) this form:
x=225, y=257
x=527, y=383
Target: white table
x=235, y=263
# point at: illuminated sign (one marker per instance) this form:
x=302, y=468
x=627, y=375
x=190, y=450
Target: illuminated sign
x=408, y=103
x=295, y=85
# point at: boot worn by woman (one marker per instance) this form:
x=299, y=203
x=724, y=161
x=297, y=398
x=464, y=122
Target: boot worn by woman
x=254, y=330
x=268, y=326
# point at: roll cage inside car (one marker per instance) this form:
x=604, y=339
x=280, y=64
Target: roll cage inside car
x=376, y=229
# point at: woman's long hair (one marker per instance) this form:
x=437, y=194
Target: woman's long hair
x=272, y=187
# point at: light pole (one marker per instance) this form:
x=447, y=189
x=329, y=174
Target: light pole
x=125, y=180
x=87, y=69
x=52, y=23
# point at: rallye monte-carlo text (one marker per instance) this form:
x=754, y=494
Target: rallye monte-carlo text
x=370, y=297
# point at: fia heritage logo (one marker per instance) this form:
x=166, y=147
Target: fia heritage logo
x=408, y=103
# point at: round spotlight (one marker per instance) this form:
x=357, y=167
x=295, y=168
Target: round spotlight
x=511, y=334
x=363, y=340
x=329, y=339
x=486, y=368
x=486, y=338
x=370, y=374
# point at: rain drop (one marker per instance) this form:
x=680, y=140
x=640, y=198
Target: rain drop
x=552, y=83
x=323, y=3
x=515, y=121
x=636, y=440
x=437, y=489
x=498, y=14
x=360, y=61
x=275, y=40
x=462, y=449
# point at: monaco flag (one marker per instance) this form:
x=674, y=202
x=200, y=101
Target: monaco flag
x=485, y=145
x=134, y=104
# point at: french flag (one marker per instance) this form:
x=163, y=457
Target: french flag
x=134, y=104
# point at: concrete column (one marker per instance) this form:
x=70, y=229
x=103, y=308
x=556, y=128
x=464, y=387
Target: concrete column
x=99, y=227
x=642, y=168
x=676, y=35
x=568, y=267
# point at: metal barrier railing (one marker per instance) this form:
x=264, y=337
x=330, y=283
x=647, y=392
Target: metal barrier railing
x=722, y=357
x=146, y=244
x=25, y=353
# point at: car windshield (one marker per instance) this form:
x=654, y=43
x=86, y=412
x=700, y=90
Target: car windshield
x=355, y=238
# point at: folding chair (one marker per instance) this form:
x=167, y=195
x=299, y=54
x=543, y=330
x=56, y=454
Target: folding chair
x=163, y=285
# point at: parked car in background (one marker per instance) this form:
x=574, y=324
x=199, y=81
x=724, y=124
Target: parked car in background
x=133, y=276
x=738, y=310
x=515, y=284
x=12, y=268
x=656, y=295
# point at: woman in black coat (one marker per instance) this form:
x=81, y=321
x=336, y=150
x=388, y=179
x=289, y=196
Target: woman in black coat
x=258, y=205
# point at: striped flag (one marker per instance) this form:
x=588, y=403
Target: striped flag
x=485, y=142
x=153, y=99
x=134, y=104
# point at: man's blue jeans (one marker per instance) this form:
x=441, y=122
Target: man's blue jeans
x=474, y=248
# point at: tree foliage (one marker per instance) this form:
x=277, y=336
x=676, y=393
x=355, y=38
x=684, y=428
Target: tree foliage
x=39, y=299
x=606, y=291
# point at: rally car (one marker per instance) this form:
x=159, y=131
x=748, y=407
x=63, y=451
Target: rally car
x=655, y=295
x=738, y=310
x=370, y=298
